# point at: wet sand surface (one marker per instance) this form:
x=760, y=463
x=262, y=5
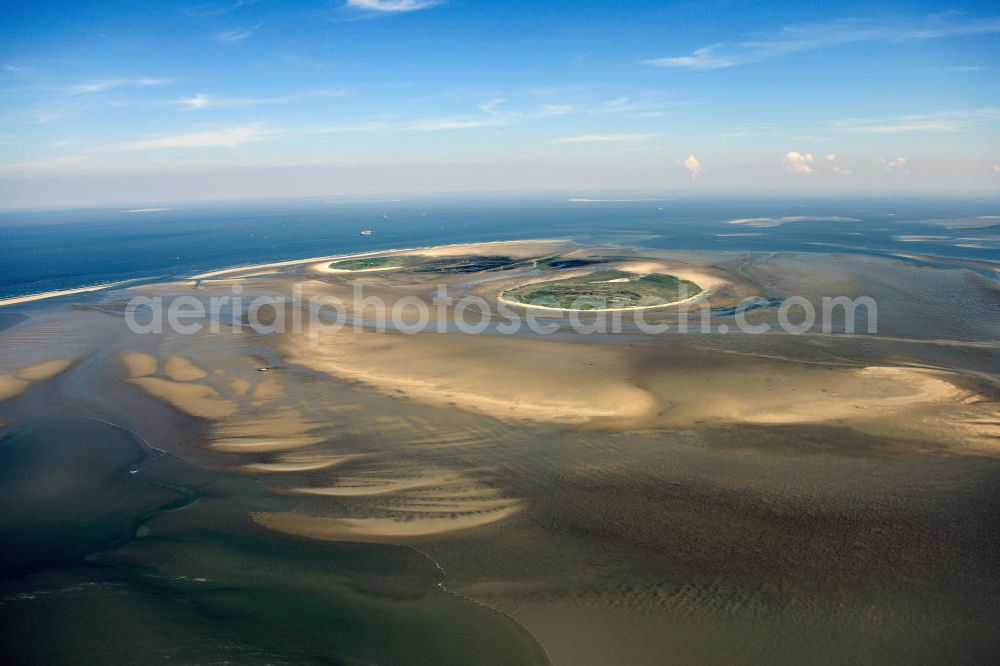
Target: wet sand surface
x=358, y=496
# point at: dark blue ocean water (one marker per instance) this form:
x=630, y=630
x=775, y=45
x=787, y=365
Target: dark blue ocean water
x=48, y=250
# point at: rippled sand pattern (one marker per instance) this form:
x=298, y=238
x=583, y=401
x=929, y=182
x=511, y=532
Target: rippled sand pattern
x=288, y=434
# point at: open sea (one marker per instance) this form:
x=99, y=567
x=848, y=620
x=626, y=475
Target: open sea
x=50, y=250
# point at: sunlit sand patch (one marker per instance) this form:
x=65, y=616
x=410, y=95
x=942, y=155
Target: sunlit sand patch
x=518, y=249
x=241, y=271
x=182, y=369
x=301, y=463
x=453, y=507
x=268, y=389
x=55, y=294
x=159, y=288
x=872, y=391
x=411, y=501
x=507, y=378
x=344, y=409
x=377, y=529
x=773, y=393
x=11, y=387
x=281, y=430
x=45, y=369
x=708, y=281
x=432, y=495
x=239, y=386
x=364, y=486
x=139, y=364
x=193, y=399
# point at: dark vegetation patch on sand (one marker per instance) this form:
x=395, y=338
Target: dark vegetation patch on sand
x=605, y=289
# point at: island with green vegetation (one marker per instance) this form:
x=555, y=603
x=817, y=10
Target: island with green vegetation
x=472, y=263
x=608, y=289
x=379, y=263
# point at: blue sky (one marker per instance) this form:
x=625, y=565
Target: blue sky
x=134, y=101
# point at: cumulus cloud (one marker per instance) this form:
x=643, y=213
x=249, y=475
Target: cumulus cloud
x=833, y=160
x=796, y=162
x=693, y=166
x=896, y=164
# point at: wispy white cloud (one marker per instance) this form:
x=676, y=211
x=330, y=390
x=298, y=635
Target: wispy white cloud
x=945, y=121
x=227, y=137
x=604, y=138
x=16, y=69
x=218, y=9
x=238, y=34
x=585, y=101
x=815, y=36
x=204, y=101
x=693, y=166
x=966, y=68
x=556, y=109
x=52, y=163
x=104, y=85
x=390, y=6
x=45, y=117
x=491, y=114
x=956, y=120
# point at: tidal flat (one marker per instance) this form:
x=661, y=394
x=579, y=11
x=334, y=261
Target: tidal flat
x=368, y=496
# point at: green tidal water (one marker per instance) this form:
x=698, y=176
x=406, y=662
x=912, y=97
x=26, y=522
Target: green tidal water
x=112, y=553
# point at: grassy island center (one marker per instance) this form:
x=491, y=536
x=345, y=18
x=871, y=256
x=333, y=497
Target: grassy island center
x=604, y=290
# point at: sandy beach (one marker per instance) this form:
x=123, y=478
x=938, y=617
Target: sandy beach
x=31, y=298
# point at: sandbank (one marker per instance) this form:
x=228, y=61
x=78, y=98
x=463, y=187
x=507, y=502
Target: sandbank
x=139, y=364
x=181, y=369
x=511, y=378
x=29, y=298
x=45, y=369
x=376, y=529
x=193, y=399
